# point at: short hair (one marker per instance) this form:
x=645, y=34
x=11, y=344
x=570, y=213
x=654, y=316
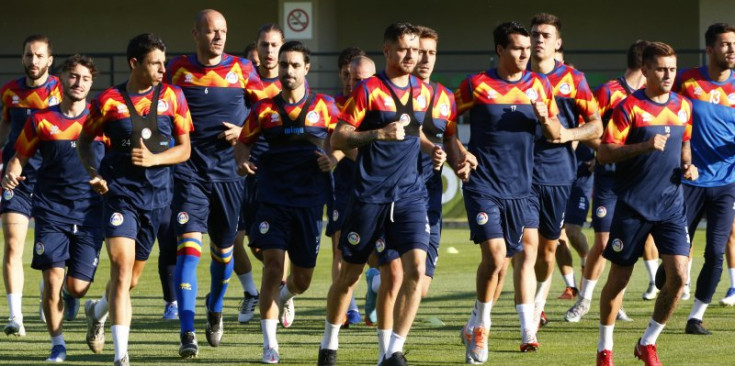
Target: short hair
x=347, y=55
x=655, y=50
x=79, y=59
x=426, y=32
x=295, y=46
x=546, y=18
x=38, y=38
x=503, y=31
x=397, y=30
x=269, y=27
x=635, y=54
x=710, y=36
x=143, y=44
x=250, y=48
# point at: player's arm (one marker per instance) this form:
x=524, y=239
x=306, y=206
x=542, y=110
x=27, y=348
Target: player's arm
x=179, y=153
x=242, y=157
x=613, y=153
x=231, y=132
x=688, y=170
x=4, y=132
x=461, y=160
x=325, y=159
x=13, y=172
x=438, y=156
x=589, y=131
x=346, y=136
x=85, y=149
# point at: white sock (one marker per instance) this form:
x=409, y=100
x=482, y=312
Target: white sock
x=482, y=318
x=542, y=291
x=286, y=294
x=14, y=303
x=395, y=344
x=606, y=338
x=268, y=327
x=383, y=342
x=248, y=285
x=731, y=271
x=120, y=335
x=588, y=287
x=174, y=303
x=330, y=340
x=570, y=280
x=689, y=274
x=528, y=328
x=58, y=340
x=651, y=267
x=101, y=309
x=376, y=283
x=652, y=333
x=698, y=310
x=353, y=304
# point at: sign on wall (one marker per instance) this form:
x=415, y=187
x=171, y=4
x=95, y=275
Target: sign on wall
x=298, y=20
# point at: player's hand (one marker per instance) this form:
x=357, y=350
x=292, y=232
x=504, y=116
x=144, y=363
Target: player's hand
x=564, y=136
x=394, y=131
x=10, y=181
x=541, y=110
x=658, y=142
x=591, y=165
x=465, y=167
x=325, y=161
x=689, y=172
x=438, y=157
x=231, y=133
x=143, y=157
x=471, y=159
x=247, y=168
x=99, y=185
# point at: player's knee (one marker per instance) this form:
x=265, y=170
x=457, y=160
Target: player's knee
x=77, y=288
x=273, y=270
x=300, y=283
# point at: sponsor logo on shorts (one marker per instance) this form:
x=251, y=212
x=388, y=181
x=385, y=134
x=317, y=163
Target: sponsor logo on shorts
x=312, y=117
x=145, y=133
x=39, y=248
x=335, y=215
x=8, y=194
x=116, y=219
x=162, y=105
x=601, y=212
x=264, y=227
x=353, y=238
x=185, y=286
x=380, y=245
x=617, y=245
x=96, y=261
x=182, y=217
x=231, y=77
x=481, y=218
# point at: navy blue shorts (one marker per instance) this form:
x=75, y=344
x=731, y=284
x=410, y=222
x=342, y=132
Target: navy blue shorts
x=434, y=212
x=59, y=245
x=403, y=224
x=548, y=204
x=496, y=218
x=629, y=231
x=603, y=202
x=343, y=177
x=717, y=204
x=578, y=205
x=18, y=200
x=211, y=208
x=125, y=220
x=249, y=205
x=297, y=230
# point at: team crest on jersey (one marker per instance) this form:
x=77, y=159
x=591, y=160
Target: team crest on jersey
x=116, y=219
x=231, y=77
x=335, y=215
x=601, y=212
x=145, y=133
x=52, y=101
x=444, y=109
x=264, y=227
x=683, y=116
x=312, y=117
x=532, y=95
x=617, y=245
x=380, y=245
x=731, y=98
x=421, y=101
x=698, y=91
x=405, y=119
x=182, y=218
x=275, y=117
x=353, y=238
x=40, y=248
x=481, y=218
x=8, y=194
x=162, y=105
x=565, y=89
x=188, y=78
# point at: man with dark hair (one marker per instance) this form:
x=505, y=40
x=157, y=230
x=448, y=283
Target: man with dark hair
x=381, y=119
x=712, y=91
x=648, y=137
x=207, y=190
x=67, y=211
x=507, y=105
x=554, y=163
x=140, y=117
x=251, y=53
x=292, y=185
x=20, y=97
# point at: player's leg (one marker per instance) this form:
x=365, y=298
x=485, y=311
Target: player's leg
x=650, y=259
x=729, y=299
x=15, y=228
x=167, y=243
x=391, y=278
x=269, y=301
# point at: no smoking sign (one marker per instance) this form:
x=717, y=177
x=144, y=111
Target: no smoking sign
x=298, y=20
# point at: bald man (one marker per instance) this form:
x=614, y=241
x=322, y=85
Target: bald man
x=220, y=89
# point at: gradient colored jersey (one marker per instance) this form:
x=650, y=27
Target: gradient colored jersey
x=62, y=192
x=502, y=130
x=19, y=101
x=713, y=123
x=289, y=174
x=387, y=171
x=146, y=188
x=340, y=100
x=215, y=94
x=556, y=164
x=608, y=96
x=649, y=183
x=271, y=88
x=442, y=124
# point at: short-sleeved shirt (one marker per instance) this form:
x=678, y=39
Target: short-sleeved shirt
x=441, y=123
x=271, y=88
x=650, y=183
x=556, y=164
x=340, y=100
x=145, y=188
x=289, y=174
x=214, y=94
x=62, y=193
x=713, y=126
x=502, y=130
x=387, y=171
x=608, y=96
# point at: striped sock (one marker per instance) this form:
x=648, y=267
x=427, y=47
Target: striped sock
x=188, y=251
x=221, y=270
